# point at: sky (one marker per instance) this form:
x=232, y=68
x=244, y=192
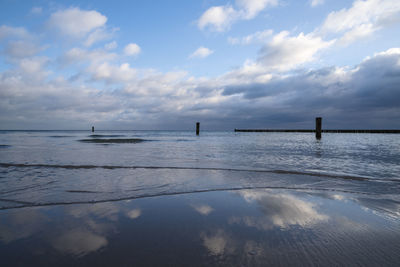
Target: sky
x=164, y=65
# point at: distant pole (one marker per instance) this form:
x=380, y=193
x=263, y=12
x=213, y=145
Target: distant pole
x=197, y=128
x=92, y=129
x=318, y=127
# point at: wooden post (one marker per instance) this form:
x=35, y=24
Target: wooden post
x=92, y=129
x=197, y=128
x=318, y=127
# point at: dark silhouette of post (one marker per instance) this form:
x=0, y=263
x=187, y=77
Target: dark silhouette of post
x=318, y=127
x=197, y=128
x=92, y=129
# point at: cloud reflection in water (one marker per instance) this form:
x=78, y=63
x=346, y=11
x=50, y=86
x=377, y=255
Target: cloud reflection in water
x=18, y=224
x=217, y=243
x=133, y=214
x=202, y=209
x=280, y=210
x=79, y=242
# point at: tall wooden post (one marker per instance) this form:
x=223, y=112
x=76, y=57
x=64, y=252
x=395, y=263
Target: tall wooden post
x=92, y=129
x=197, y=128
x=318, y=127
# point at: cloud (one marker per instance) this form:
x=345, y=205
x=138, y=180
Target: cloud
x=34, y=66
x=220, y=18
x=251, y=8
x=21, y=49
x=132, y=49
x=13, y=32
x=357, y=33
x=77, y=55
x=260, y=36
x=284, y=52
x=111, y=46
x=113, y=73
x=97, y=35
x=217, y=18
x=18, y=44
x=365, y=95
x=270, y=91
x=362, y=19
x=201, y=52
x=76, y=22
x=315, y=3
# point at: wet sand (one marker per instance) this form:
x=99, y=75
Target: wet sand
x=231, y=228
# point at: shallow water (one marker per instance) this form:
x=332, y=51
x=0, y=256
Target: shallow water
x=221, y=198
x=241, y=228
x=375, y=155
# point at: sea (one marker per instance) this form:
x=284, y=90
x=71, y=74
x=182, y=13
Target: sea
x=171, y=198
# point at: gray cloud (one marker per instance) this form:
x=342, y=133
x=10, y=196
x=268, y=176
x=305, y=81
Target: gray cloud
x=104, y=91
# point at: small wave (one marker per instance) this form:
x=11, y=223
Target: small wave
x=60, y=136
x=105, y=135
x=83, y=191
x=113, y=141
x=347, y=177
x=5, y=146
x=25, y=204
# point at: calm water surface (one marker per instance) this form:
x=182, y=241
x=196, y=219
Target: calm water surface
x=223, y=198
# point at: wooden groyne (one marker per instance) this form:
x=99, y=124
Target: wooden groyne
x=318, y=130
x=313, y=131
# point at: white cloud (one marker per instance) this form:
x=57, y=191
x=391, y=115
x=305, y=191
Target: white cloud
x=77, y=55
x=220, y=18
x=260, y=36
x=34, y=66
x=361, y=31
x=132, y=49
x=217, y=18
x=111, y=46
x=389, y=52
x=251, y=8
x=97, y=35
x=76, y=22
x=362, y=19
x=284, y=52
x=113, y=73
x=201, y=52
x=18, y=32
x=244, y=96
x=315, y=3
x=21, y=48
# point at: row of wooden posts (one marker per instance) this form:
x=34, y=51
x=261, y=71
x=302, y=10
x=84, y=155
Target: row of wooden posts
x=318, y=128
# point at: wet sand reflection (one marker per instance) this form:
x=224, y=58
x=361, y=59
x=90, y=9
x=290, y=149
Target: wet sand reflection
x=247, y=227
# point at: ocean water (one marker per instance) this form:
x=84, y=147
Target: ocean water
x=221, y=198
